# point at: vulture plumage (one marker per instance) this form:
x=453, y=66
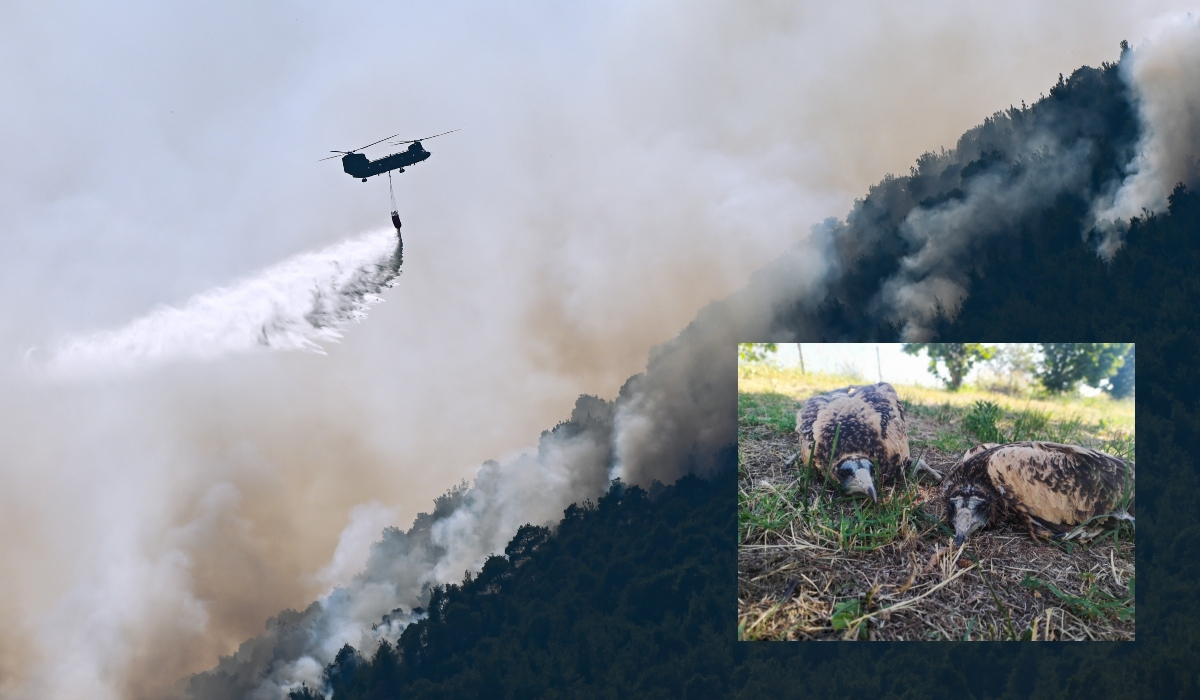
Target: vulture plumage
x=873, y=441
x=1044, y=487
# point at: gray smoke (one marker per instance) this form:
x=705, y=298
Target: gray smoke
x=1116, y=140
x=666, y=422
x=1163, y=75
x=571, y=464
x=992, y=202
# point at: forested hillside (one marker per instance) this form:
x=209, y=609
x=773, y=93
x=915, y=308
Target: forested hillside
x=629, y=597
x=634, y=596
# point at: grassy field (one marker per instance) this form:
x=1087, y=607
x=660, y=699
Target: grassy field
x=813, y=564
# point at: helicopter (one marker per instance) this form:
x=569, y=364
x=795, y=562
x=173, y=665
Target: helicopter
x=357, y=165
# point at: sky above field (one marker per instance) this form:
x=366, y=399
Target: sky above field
x=890, y=365
x=620, y=165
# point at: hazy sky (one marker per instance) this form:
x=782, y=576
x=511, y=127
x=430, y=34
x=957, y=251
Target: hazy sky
x=860, y=358
x=620, y=165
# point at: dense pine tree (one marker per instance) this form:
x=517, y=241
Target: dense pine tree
x=626, y=597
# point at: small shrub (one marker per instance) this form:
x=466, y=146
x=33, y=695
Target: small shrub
x=982, y=421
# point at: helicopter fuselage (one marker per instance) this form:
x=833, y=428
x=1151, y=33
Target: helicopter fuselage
x=358, y=165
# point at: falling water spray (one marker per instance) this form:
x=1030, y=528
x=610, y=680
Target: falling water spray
x=295, y=305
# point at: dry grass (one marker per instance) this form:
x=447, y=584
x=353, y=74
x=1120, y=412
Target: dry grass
x=1099, y=410
x=815, y=565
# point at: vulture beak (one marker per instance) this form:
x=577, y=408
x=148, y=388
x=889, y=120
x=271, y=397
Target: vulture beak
x=863, y=483
x=964, y=524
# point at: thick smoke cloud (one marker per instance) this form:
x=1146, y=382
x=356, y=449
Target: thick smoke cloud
x=902, y=262
x=467, y=525
x=944, y=235
x=1021, y=162
x=667, y=421
x=1162, y=73
x=621, y=166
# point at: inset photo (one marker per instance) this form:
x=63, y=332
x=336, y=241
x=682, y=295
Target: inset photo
x=936, y=491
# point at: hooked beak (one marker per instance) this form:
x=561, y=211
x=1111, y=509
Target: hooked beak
x=963, y=522
x=865, y=484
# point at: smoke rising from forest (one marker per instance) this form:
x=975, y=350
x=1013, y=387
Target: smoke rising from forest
x=666, y=422
x=616, y=173
x=1162, y=75
x=1116, y=140
x=673, y=418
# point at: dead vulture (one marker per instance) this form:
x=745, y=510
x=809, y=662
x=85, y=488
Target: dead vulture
x=873, y=436
x=1047, y=488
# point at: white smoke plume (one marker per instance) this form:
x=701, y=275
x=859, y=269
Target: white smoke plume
x=1162, y=74
x=934, y=278
x=295, y=305
x=468, y=524
x=668, y=421
x=1115, y=140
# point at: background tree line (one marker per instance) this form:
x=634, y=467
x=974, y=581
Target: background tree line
x=1058, y=367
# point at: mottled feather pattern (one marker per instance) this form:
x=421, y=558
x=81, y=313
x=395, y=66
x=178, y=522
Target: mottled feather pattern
x=872, y=426
x=1047, y=487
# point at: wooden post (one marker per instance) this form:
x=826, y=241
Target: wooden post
x=801, y=353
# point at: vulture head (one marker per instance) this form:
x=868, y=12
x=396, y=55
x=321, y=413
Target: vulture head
x=857, y=475
x=968, y=508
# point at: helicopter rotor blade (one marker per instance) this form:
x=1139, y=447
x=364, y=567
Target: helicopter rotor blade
x=359, y=148
x=372, y=144
x=426, y=138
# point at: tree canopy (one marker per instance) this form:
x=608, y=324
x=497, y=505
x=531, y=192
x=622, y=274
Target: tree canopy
x=627, y=597
x=1065, y=365
x=755, y=352
x=1121, y=384
x=957, y=358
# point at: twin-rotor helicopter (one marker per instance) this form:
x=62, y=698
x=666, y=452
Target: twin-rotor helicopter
x=358, y=165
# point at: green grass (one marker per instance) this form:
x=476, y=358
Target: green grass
x=987, y=421
x=845, y=614
x=797, y=506
x=950, y=441
x=1119, y=446
x=765, y=509
x=775, y=410
x=1029, y=424
x=1097, y=414
x=1094, y=603
x=866, y=526
x=831, y=520
x=982, y=421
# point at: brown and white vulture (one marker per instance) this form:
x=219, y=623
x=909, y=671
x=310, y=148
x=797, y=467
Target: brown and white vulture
x=1044, y=487
x=873, y=436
